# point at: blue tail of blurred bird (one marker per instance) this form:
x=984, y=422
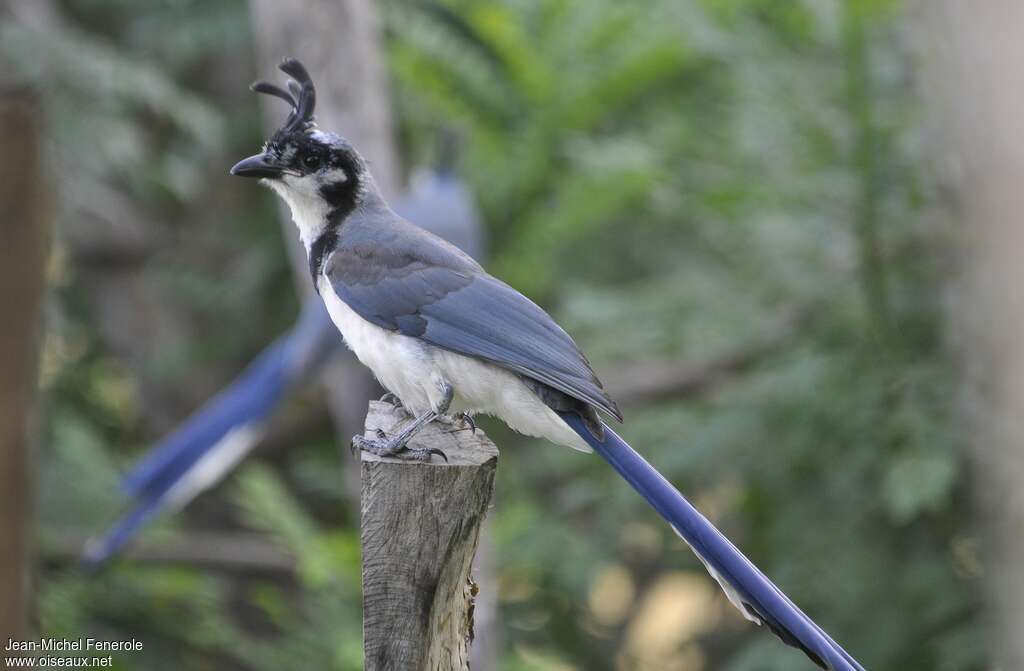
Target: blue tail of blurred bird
x=220, y=434
x=746, y=587
x=215, y=439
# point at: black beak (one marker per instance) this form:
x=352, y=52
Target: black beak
x=259, y=165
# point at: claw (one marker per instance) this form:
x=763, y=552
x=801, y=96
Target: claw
x=420, y=454
x=465, y=418
x=388, y=397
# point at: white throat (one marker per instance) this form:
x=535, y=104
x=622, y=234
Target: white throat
x=309, y=209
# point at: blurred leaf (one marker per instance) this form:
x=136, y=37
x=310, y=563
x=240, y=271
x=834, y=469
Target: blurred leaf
x=918, y=483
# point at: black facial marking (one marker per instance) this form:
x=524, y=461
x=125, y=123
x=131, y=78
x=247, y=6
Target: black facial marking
x=303, y=154
x=341, y=196
x=299, y=152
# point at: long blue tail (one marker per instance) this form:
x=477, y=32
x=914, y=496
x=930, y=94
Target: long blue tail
x=220, y=434
x=747, y=588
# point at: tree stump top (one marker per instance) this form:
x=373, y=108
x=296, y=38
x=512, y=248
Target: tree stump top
x=460, y=444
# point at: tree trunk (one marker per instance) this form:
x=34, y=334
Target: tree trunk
x=23, y=257
x=975, y=54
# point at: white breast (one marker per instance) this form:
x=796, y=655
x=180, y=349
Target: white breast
x=400, y=363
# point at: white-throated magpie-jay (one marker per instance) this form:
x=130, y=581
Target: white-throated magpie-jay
x=446, y=337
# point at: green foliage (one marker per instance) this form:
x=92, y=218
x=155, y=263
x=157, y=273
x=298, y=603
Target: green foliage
x=668, y=177
x=555, y=89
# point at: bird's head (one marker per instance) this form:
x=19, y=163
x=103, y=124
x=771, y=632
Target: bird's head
x=313, y=171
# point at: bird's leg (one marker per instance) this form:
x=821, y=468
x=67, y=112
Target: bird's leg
x=383, y=446
x=463, y=418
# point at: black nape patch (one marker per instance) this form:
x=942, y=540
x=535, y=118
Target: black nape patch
x=341, y=195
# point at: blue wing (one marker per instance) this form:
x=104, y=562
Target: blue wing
x=422, y=287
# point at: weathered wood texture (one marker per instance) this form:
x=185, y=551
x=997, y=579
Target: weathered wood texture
x=22, y=280
x=420, y=528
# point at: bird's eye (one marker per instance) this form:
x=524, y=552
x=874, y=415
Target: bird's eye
x=312, y=161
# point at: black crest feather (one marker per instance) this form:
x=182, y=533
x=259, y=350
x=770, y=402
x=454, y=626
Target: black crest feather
x=301, y=95
x=272, y=90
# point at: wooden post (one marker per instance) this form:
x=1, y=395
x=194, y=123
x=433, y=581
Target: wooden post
x=420, y=527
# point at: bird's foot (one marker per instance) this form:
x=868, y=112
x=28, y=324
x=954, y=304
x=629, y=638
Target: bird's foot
x=388, y=397
x=463, y=419
x=396, y=447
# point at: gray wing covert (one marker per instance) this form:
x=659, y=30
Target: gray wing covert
x=458, y=307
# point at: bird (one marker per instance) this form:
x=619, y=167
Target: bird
x=446, y=338
x=215, y=439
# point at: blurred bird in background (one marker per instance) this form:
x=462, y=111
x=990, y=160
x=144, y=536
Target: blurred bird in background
x=219, y=435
